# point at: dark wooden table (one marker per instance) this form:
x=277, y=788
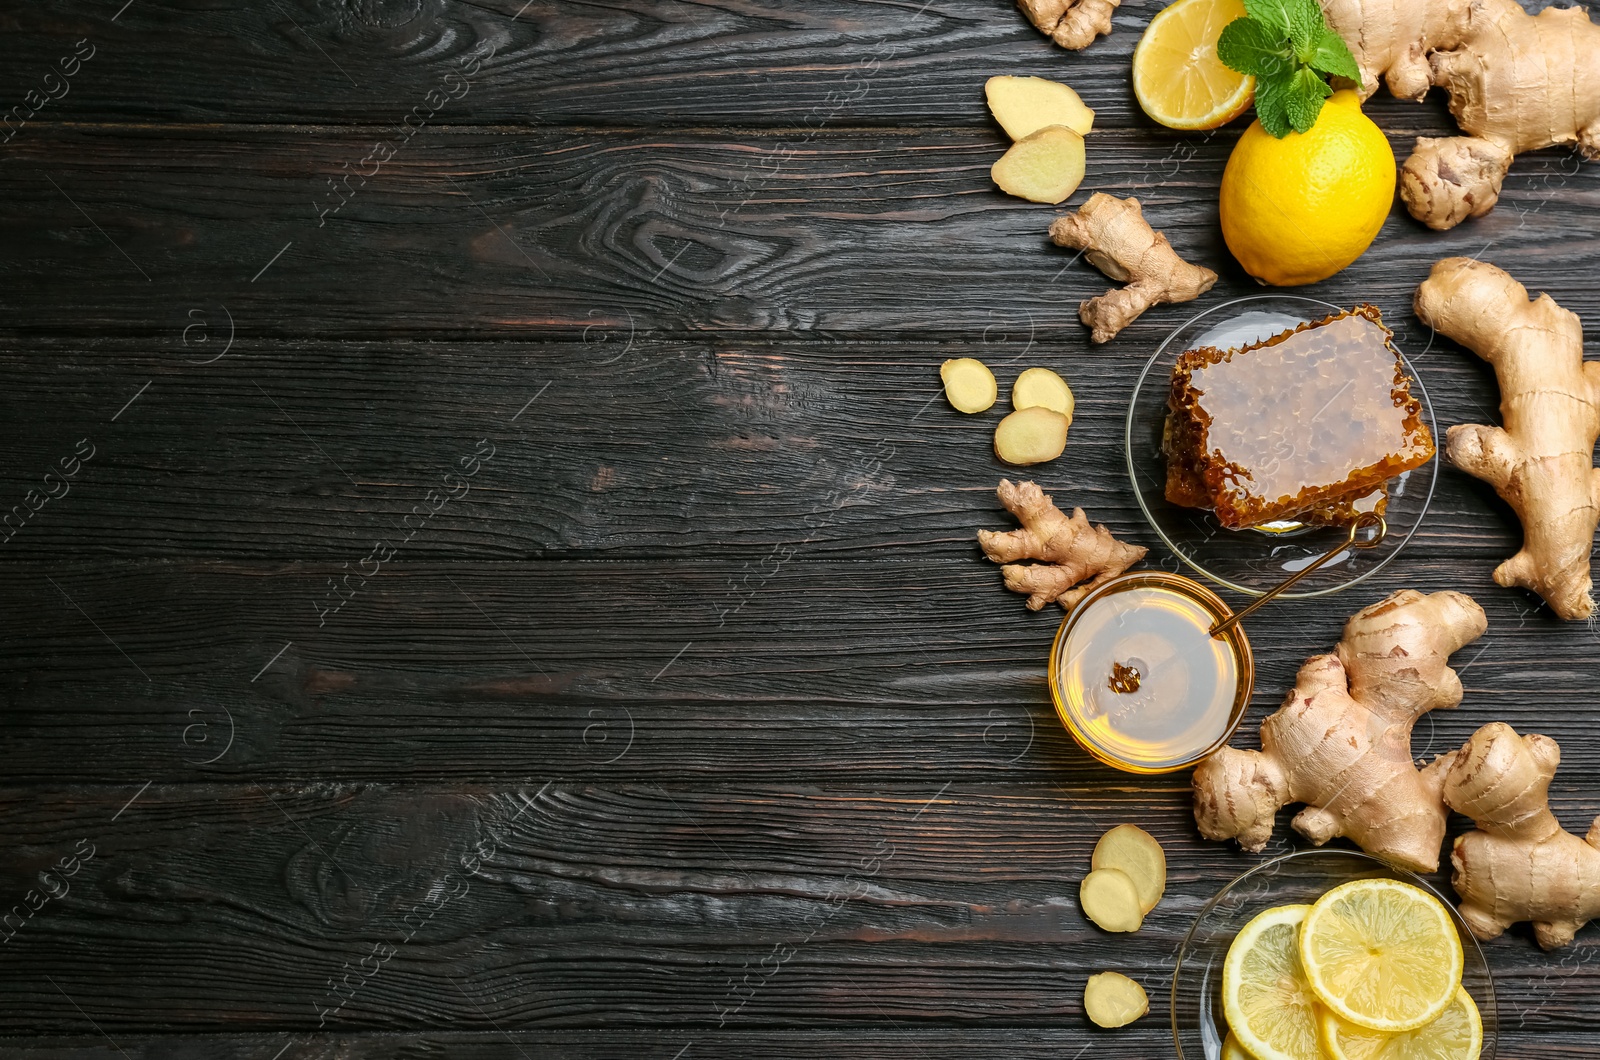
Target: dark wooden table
x=516, y=598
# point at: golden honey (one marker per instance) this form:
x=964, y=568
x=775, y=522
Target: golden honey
x=1138, y=679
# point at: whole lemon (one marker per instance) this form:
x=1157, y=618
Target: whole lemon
x=1299, y=209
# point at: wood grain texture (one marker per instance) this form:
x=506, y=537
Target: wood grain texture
x=570, y=233
x=710, y=449
x=902, y=1042
x=706, y=642
x=174, y=672
x=553, y=905
x=621, y=62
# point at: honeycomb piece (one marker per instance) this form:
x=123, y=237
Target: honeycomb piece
x=1313, y=418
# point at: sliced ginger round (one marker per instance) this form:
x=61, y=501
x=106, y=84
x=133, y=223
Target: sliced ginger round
x=1177, y=77
x=1111, y=900
x=1137, y=854
x=1268, y=1003
x=1455, y=1035
x=1042, y=388
x=1111, y=999
x=968, y=384
x=1031, y=436
x=1024, y=105
x=1044, y=166
x=1381, y=954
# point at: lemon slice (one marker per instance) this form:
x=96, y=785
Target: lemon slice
x=1232, y=1050
x=1456, y=1035
x=1269, y=1005
x=1381, y=954
x=1177, y=76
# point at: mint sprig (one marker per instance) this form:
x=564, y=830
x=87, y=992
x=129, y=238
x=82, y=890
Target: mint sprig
x=1287, y=47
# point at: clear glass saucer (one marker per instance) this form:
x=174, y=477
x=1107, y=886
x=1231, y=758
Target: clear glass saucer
x=1198, y=1026
x=1253, y=561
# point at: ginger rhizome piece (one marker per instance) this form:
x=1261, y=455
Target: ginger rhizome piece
x=1138, y=854
x=1042, y=388
x=1070, y=23
x=969, y=386
x=1024, y=105
x=1045, y=166
x=1517, y=82
x=1341, y=742
x=1031, y=436
x=1111, y=999
x=1069, y=550
x=1520, y=864
x=1542, y=461
x=1118, y=241
x=1110, y=899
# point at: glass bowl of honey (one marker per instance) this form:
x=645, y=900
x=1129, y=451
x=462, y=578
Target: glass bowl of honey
x=1255, y=559
x=1198, y=1024
x=1140, y=681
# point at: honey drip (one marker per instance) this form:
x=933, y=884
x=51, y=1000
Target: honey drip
x=1124, y=679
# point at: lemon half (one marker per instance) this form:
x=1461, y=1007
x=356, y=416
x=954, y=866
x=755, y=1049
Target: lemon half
x=1177, y=77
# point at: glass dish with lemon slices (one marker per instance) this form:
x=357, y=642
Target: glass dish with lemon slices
x=1331, y=955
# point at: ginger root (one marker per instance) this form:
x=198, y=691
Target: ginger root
x=1542, y=461
x=969, y=386
x=1110, y=899
x=1042, y=388
x=1069, y=549
x=1024, y=105
x=1519, y=864
x=1031, y=436
x=1070, y=23
x=1138, y=854
x=1111, y=999
x=1517, y=82
x=1045, y=166
x=1118, y=241
x=1341, y=742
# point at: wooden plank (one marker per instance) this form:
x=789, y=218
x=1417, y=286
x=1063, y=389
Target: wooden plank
x=885, y=1041
x=500, y=909
x=829, y=62
x=742, y=451
x=175, y=671
x=567, y=233
x=634, y=60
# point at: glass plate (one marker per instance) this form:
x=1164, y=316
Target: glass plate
x=1253, y=561
x=1304, y=876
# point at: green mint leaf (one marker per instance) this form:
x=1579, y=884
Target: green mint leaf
x=1332, y=56
x=1251, y=48
x=1303, y=99
x=1272, y=14
x=1306, y=26
x=1272, y=107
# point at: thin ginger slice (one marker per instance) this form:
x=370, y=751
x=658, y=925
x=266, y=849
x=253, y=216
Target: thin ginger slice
x=1110, y=899
x=1031, y=436
x=1042, y=388
x=1137, y=853
x=1111, y=999
x=968, y=384
x=1045, y=166
x=1024, y=105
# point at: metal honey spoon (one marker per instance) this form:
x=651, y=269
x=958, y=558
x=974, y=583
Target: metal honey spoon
x=1366, y=520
